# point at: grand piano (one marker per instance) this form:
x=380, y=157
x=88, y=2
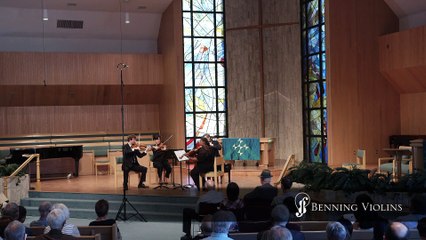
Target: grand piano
x=54, y=161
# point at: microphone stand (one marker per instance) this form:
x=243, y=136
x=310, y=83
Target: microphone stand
x=123, y=216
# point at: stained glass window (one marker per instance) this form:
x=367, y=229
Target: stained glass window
x=314, y=80
x=204, y=69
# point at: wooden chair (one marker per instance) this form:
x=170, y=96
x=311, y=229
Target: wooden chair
x=291, y=160
x=117, y=169
x=102, y=161
x=105, y=232
x=388, y=164
x=153, y=171
x=361, y=162
x=218, y=161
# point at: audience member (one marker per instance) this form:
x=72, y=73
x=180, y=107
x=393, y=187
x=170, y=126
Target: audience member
x=348, y=226
x=365, y=219
x=279, y=218
x=44, y=209
x=221, y=223
x=22, y=215
x=396, y=231
x=206, y=227
x=265, y=191
x=292, y=208
x=101, y=209
x=421, y=227
x=56, y=223
x=417, y=212
x=277, y=233
x=9, y=213
x=232, y=202
x=212, y=197
x=15, y=230
x=336, y=231
x=69, y=228
x=286, y=184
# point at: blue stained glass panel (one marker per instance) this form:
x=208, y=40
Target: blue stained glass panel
x=324, y=67
x=323, y=43
x=189, y=118
x=315, y=122
x=205, y=74
x=325, y=121
x=205, y=123
x=325, y=150
x=314, y=68
x=220, y=74
x=188, y=74
x=219, y=25
x=313, y=13
x=324, y=94
x=187, y=49
x=316, y=149
x=189, y=103
x=322, y=11
x=205, y=99
x=202, y=5
x=220, y=49
x=187, y=26
x=204, y=50
x=221, y=99
x=203, y=24
x=313, y=40
x=190, y=143
x=314, y=95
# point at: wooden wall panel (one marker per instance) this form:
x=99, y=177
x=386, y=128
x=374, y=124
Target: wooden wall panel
x=68, y=119
x=413, y=117
x=243, y=77
x=279, y=53
x=79, y=68
x=170, y=44
x=363, y=106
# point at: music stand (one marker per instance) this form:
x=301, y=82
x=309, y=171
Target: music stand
x=123, y=216
x=177, y=185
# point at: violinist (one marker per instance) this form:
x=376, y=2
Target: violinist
x=204, y=156
x=130, y=162
x=214, y=144
x=160, y=160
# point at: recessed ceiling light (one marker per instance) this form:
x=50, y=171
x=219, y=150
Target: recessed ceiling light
x=141, y=7
x=72, y=4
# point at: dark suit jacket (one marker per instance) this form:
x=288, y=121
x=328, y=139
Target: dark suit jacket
x=265, y=192
x=55, y=234
x=215, y=145
x=130, y=157
x=205, y=160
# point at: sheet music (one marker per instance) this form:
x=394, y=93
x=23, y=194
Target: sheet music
x=180, y=155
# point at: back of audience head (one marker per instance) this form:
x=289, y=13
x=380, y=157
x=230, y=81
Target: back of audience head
x=396, y=231
x=101, y=208
x=418, y=204
x=421, y=227
x=336, y=231
x=222, y=221
x=11, y=210
x=22, y=214
x=64, y=209
x=206, y=225
x=347, y=224
x=286, y=183
x=232, y=191
x=56, y=219
x=277, y=233
x=15, y=230
x=265, y=176
x=280, y=215
x=44, y=209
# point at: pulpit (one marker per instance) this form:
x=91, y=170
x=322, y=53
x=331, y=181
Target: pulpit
x=267, y=152
x=397, y=153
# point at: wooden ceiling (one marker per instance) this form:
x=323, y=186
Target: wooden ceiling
x=403, y=59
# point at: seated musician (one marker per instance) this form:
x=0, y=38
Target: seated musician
x=214, y=144
x=130, y=162
x=204, y=156
x=160, y=158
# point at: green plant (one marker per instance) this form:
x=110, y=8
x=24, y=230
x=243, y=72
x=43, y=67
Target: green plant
x=7, y=170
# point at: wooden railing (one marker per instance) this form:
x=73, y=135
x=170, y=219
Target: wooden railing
x=20, y=168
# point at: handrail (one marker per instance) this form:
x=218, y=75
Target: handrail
x=23, y=165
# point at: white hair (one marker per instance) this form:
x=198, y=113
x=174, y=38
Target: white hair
x=64, y=209
x=56, y=219
x=336, y=231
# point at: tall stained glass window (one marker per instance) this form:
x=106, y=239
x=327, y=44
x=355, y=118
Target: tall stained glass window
x=204, y=66
x=314, y=80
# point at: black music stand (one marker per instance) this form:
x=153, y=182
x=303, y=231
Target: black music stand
x=123, y=215
x=177, y=185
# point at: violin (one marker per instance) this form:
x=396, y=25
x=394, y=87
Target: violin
x=160, y=146
x=139, y=146
x=193, y=151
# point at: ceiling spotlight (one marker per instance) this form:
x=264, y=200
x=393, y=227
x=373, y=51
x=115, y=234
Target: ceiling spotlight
x=126, y=18
x=45, y=16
